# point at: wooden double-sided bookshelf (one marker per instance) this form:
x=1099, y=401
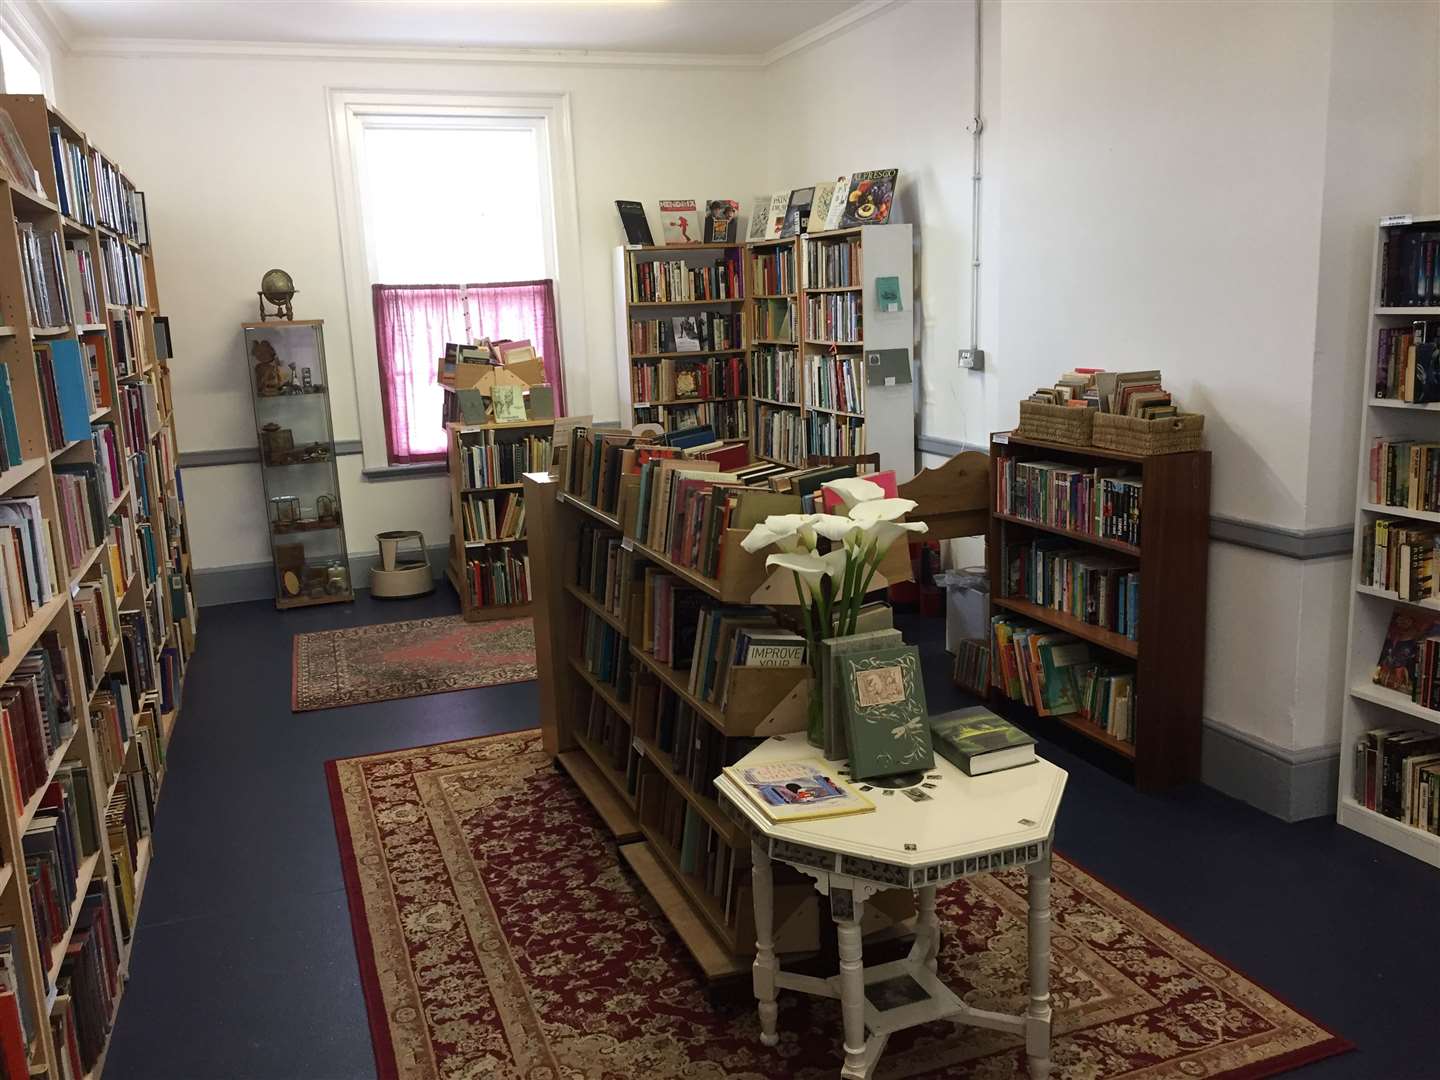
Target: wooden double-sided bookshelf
x=473, y=550
x=780, y=431
x=139, y=569
x=657, y=380
x=1168, y=654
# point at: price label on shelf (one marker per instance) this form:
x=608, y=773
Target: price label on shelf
x=1396, y=219
x=638, y=747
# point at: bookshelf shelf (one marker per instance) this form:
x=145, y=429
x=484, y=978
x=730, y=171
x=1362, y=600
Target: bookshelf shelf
x=706, y=807
x=26, y=469
x=1168, y=666
x=1428, y=312
x=604, y=692
x=614, y=777
x=598, y=608
x=694, y=890
x=671, y=678
x=82, y=882
x=1412, y=406
x=1394, y=597
x=1106, y=639
x=1400, y=511
x=691, y=355
x=710, y=952
x=1414, y=842
x=599, y=790
x=686, y=303
x=1393, y=700
x=1081, y=537
x=594, y=511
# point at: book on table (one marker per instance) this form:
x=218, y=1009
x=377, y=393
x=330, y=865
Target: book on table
x=797, y=790
x=976, y=741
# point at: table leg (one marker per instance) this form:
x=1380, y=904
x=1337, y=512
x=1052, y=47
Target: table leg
x=764, y=968
x=1037, y=1016
x=927, y=929
x=847, y=910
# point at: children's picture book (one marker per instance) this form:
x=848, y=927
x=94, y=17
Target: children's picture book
x=885, y=707
x=759, y=218
x=721, y=220
x=680, y=220
x=632, y=217
x=779, y=203
x=797, y=212
x=820, y=205
x=796, y=790
x=509, y=404
x=869, y=198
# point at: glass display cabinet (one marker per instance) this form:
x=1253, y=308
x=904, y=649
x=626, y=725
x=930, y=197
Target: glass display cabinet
x=291, y=395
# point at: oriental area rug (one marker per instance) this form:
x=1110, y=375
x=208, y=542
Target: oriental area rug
x=498, y=937
x=408, y=659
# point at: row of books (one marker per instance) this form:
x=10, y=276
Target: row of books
x=833, y=317
x=972, y=665
x=499, y=579
x=1095, y=587
x=1397, y=773
x=603, y=567
x=492, y=518
x=671, y=280
x=124, y=274
x=87, y=987
x=80, y=509
x=1100, y=501
x=97, y=623
x=1056, y=675
x=112, y=723
x=139, y=409
x=706, y=332
x=696, y=751
x=670, y=380
x=111, y=460
x=836, y=383
x=72, y=171
x=607, y=731
x=489, y=460
x=832, y=264
x=780, y=434
x=11, y=452
x=1410, y=267
x=605, y=654
x=1407, y=362
x=1399, y=556
x=1405, y=473
x=42, y=269
x=737, y=637
x=120, y=207
x=31, y=575
x=774, y=320
x=19, y=1024
x=128, y=821
x=772, y=271
x=776, y=374
x=36, y=711
x=836, y=436
x=65, y=392
x=1124, y=393
x=728, y=419
x=57, y=840
x=137, y=642
x=693, y=846
x=82, y=280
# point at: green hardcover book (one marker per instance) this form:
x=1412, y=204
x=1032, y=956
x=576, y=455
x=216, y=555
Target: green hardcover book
x=832, y=679
x=976, y=741
x=885, y=713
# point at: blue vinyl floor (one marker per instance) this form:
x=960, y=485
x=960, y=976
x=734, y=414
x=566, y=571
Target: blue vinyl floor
x=244, y=965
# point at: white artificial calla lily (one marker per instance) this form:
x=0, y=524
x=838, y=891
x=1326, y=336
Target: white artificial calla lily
x=883, y=533
x=853, y=490
x=835, y=528
x=788, y=532
x=881, y=510
x=808, y=569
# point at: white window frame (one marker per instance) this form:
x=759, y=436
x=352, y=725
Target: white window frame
x=351, y=112
x=31, y=45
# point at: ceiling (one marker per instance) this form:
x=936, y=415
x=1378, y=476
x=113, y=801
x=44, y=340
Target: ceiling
x=694, y=27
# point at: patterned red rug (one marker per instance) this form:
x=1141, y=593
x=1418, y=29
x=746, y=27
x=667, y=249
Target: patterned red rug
x=408, y=659
x=498, y=937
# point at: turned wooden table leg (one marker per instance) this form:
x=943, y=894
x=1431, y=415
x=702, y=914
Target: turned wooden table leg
x=1037, y=1016
x=847, y=910
x=764, y=968
x=927, y=929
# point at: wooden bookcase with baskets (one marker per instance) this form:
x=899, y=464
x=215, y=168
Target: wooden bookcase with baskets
x=600, y=696
x=112, y=640
x=1171, y=557
x=489, y=563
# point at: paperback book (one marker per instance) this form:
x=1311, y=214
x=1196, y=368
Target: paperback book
x=721, y=220
x=632, y=219
x=680, y=222
x=797, y=790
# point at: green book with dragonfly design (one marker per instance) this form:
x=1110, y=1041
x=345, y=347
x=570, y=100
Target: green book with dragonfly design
x=885, y=713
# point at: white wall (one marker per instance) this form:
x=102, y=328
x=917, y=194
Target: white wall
x=234, y=154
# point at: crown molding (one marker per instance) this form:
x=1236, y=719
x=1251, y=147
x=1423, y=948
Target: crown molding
x=45, y=23
x=278, y=50
x=828, y=29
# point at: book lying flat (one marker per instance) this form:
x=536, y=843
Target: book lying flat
x=796, y=790
x=976, y=741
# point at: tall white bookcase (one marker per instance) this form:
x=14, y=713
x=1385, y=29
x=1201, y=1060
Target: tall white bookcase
x=1367, y=705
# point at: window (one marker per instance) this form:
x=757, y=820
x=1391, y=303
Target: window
x=459, y=242
x=21, y=74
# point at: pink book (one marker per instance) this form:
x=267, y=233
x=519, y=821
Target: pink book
x=830, y=501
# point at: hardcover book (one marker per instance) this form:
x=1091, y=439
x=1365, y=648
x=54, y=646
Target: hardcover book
x=796, y=790
x=837, y=202
x=832, y=694
x=680, y=221
x=759, y=218
x=977, y=741
x=886, y=714
x=779, y=203
x=797, y=212
x=632, y=217
x=869, y=198
x=721, y=220
x=820, y=205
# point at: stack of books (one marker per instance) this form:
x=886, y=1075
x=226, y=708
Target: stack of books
x=696, y=751
x=776, y=372
x=1124, y=393
x=31, y=571
x=605, y=729
x=80, y=277
x=774, y=320
x=97, y=624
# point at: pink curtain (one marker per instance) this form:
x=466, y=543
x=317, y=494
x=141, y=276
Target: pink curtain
x=413, y=324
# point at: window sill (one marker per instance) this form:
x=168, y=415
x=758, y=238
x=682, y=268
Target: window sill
x=405, y=472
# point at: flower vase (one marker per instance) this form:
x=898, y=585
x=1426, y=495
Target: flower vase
x=815, y=717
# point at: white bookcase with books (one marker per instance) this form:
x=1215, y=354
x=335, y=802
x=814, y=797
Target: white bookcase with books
x=1390, y=720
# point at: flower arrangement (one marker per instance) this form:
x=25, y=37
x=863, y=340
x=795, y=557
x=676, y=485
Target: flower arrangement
x=832, y=586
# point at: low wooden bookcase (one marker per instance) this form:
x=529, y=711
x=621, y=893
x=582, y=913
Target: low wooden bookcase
x=1173, y=555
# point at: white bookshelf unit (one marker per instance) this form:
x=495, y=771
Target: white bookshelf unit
x=1368, y=705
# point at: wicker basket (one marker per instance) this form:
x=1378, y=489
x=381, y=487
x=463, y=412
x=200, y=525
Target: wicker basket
x=1055, y=423
x=1167, y=435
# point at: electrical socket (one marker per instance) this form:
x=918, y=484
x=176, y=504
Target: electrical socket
x=974, y=359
